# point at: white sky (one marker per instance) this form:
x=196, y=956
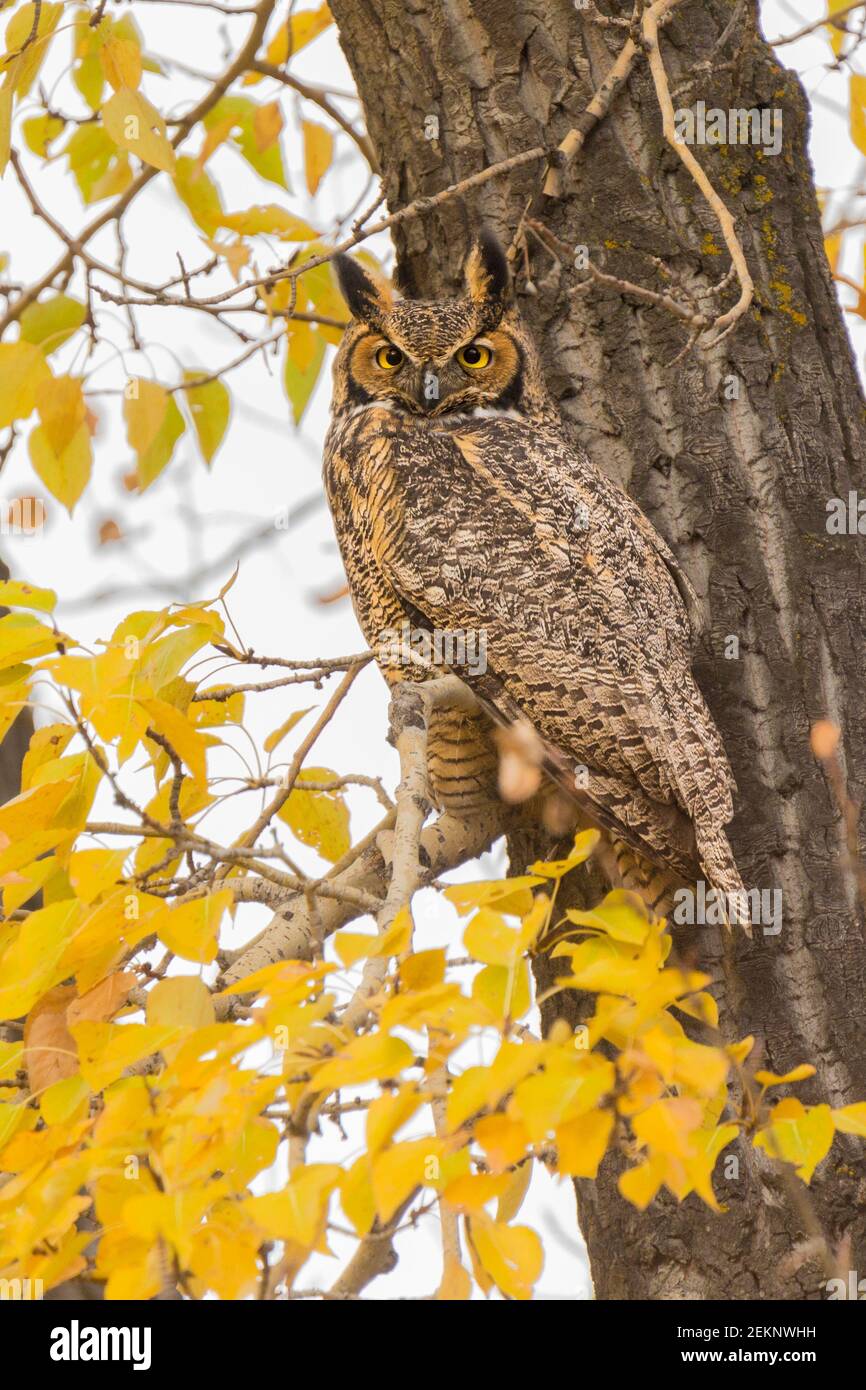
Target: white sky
x=191, y=517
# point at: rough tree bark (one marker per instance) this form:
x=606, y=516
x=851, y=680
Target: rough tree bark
x=738, y=486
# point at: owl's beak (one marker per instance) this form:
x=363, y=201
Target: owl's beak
x=428, y=386
x=424, y=387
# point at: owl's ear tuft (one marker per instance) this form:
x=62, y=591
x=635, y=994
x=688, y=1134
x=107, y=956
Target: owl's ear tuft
x=369, y=298
x=488, y=279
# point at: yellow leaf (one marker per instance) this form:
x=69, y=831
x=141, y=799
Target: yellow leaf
x=512, y=1198
x=296, y=1213
x=771, y=1078
x=93, y=871
x=622, y=915
x=46, y=744
x=121, y=63
x=191, y=929
x=30, y=965
x=561, y=1093
x=153, y=426
x=510, y=895
x=23, y=369
x=172, y=1216
x=135, y=125
x=49, y=1048
x=199, y=194
x=180, y=1001
x=204, y=713
x=318, y=818
x=6, y=95
x=374, y=1057
x=293, y=34
x=388, y=1113
x=503, y=1139
x=305, y=351
x=738, y=1052
x=60, y=447
x=189, y=745
x=481, y=1088
x=798, y=1134
x=65, y=1100
x=422, y=970
x=39, y=132
x=701, y=1006
x=14, y=593
x=233, y=118
x=354, y=946
x=640, y=1184
x=267, y=124
x=505, y=991
x=269, y=219
x=35, y=809
x=857, y=110
x=470, y=1192
x=210, y=408
x=318, y=153
x=490, y=940
x=581, y=1144
x=18, y=32
x=23, y=637
x=103, y=1001
x=107, y=1049
x=668, y=1126
x=274, y=739
x=585, y=842
x=851, y=1119
x=235, y=253
x=512, y=1256
x=401, y=1169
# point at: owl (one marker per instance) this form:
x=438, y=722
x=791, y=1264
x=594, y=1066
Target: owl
x=478, y=539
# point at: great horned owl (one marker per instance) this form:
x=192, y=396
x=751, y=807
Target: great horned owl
x=462, y=508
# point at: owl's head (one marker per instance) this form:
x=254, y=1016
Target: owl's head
x=438, y=357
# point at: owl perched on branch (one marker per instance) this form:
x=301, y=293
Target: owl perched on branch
x=465, y=515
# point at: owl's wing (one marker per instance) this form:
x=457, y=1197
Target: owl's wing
x=504, y=532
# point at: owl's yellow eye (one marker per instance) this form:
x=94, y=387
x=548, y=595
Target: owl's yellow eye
x=389, y=357
x=474, y=356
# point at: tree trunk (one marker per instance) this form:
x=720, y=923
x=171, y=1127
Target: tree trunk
x=733, y=453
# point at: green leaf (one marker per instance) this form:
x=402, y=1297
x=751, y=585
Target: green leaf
x=94, y=160
x=241, y=111
x=50, y=322
x=210, y=408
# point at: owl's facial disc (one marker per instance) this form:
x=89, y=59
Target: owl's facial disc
x=482, y=371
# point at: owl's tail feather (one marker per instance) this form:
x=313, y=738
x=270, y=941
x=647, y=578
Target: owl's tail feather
x=662, y=888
